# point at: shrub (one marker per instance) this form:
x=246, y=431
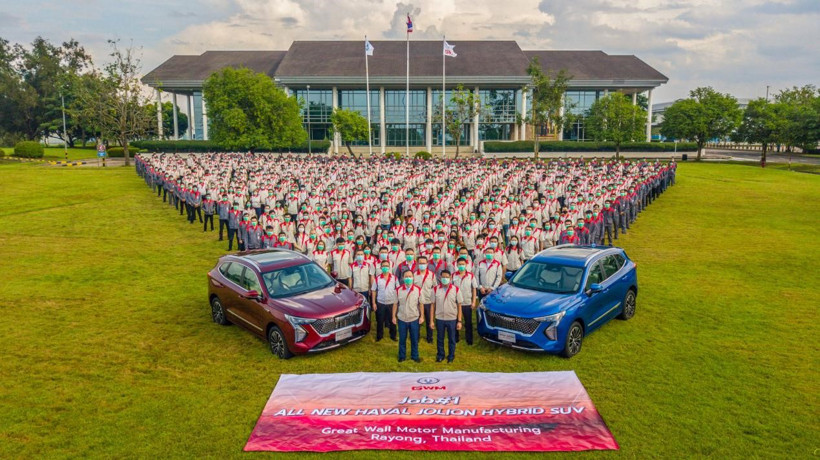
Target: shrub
x=28, y=149
x=119, y=152
x=2, y=153
x=574, y=146
x=423, y=155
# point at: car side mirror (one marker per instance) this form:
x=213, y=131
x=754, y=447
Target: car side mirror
x=508, y=275
x=594, y=288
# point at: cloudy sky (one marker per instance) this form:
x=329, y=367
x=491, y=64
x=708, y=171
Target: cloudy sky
x=736, y=46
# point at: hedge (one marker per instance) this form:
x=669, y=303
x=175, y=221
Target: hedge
x=210, y=146
x=119, y=152
x=423, y=155
x=573, y=146
x=28, y=149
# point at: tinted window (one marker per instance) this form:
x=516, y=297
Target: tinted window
x=547, y=277
x=234, y=273
x=611, y=266
x=224, y=269
x=595, y=275
x=250, y=281
x=296, y=280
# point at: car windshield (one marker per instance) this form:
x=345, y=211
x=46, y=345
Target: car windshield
x=548, y=277
x=296, y=280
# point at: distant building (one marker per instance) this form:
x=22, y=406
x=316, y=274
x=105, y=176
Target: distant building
x=329, y=74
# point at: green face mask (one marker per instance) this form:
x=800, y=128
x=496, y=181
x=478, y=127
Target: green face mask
x=385, y=270
x=408, y=281
x=462, y=268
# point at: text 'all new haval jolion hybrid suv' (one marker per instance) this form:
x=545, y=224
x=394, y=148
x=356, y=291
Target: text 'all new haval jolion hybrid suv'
x=558, y=297
x=288, y=299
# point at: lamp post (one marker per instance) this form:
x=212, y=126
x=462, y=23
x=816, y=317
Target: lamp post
x=65, y=133
x=310, y=152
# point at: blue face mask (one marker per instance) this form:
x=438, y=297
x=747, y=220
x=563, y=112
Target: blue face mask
x=445, y=281
x=422, y=267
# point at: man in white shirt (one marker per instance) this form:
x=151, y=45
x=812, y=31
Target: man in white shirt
x=447, y=300
x=383, y=295
x=407, y=315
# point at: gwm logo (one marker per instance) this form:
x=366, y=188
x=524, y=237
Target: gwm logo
x=428, y=383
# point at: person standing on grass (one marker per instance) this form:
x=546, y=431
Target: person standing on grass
x=446, y=310
x=340, y=260
x=383, y=298
x=582, y=232
x=242, y=231
x=426, y=280
x=490, y=273
x=234, y=220
x=610, y=222
x=362, y=273
x=254, y=234
x=407, y=315
x=209, y=208
x=223, y=209
x=467, y=284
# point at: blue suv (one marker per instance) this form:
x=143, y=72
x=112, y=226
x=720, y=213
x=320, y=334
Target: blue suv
x=558, y=297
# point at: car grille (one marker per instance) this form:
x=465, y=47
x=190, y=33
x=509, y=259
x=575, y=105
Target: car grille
x=523, y=325
x=327, y=325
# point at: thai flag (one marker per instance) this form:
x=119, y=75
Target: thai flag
x=409, y=24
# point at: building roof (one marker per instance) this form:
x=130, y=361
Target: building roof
x=596, y=65
x=341, y=63
x=197, y=68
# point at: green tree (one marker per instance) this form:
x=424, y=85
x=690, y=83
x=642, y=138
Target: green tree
x=246, y=110
x=167, y=120
x=705, y=115
x=763, y=123
x=350, y=125
x=801, y=108
x=614, y=118
x=117, y=96
x=462, y=108
x=547, y=99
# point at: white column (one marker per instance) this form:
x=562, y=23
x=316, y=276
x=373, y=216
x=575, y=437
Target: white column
x=523, y=134
x=634, y=98
x=561, y=112
x=382, y=126
x=191, y=118
x=336, y=137
x=475, y=125
x=176, y=116
x=204, y=119
x=429, y=129
x=159, y=114
x=649, y=118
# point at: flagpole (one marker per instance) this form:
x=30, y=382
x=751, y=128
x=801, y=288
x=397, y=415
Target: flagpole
x=367, y=86
x=407, y=102
x=443, y=99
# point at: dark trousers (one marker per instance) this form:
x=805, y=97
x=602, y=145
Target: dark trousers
x=609, y=229
x=384, y=317
x=232, y=234
x=223, y=223
x=413, y=328
x=196, y=211
x=428, y=322
x=159, y=190
x=164, y=195
x=467, y=324
x=205, y=224
x=448, y=326
x=623, y=221
x=181, y=207
x=258, y=211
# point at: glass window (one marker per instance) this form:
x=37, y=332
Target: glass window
x=396, y=134
x=548, y=277
x=357, y=100
x=320, y=104
x=234, y=273
x=494, y=131
x=224, y=269
x=296, y=280
x=595, y=275
x=465, y=135
x=611, y=266
x=250, y=281
x=394, y=109
x=497, y=105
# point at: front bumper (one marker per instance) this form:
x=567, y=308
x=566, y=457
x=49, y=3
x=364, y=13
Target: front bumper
x=537, y=341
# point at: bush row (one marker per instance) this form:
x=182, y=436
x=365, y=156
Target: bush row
x=119, y=152
x=573, y=146
x=210, y=146
x=28, y=149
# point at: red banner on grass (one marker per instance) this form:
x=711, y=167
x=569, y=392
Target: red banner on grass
x=468, y=411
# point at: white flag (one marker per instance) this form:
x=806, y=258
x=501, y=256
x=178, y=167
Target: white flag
x=448, y=50
x=368, y=48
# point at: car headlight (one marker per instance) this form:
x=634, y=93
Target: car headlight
x=482, y=305
x=365, y=303
x=299, y=332
x=551, y=331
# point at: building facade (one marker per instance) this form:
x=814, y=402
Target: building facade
x=330, y=74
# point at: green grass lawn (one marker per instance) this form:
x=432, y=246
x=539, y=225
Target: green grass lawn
x=58, y=154
x=109, y=350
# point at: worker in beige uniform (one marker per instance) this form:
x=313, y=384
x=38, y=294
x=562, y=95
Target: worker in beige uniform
x=425, y=279
x=467, y=283
x=447, y=300
x=407, y=315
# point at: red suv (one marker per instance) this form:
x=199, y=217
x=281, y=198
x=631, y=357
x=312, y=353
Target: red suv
x=288, y=299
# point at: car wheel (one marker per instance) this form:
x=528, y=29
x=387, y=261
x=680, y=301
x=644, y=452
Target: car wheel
x=575, y=336
x=629, y=306
x=218, y=312
x=278, y=344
